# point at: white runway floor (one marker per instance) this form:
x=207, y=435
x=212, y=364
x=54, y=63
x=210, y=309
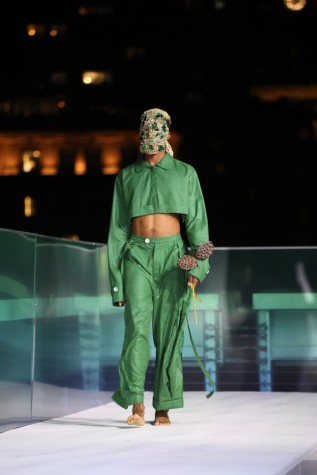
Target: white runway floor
x=232, y=433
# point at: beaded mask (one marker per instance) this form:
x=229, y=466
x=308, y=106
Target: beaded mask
x=154, y=130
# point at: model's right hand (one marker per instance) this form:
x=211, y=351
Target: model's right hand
x=121, y=304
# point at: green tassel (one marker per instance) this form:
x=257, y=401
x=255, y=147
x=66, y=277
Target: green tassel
x=200, y=363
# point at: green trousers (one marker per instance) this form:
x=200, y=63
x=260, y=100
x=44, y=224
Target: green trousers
x=156, y=293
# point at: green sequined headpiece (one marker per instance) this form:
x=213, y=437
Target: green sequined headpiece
x=154, y=130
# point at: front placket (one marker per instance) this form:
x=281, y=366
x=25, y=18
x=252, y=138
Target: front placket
x=153, y=193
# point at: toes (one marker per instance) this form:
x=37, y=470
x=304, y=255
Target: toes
x=162, y=423
x=135, y=419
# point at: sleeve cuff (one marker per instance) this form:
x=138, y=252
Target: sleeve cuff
x=201, y=270
x=117, y=294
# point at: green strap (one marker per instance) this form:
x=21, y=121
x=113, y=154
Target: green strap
x=200, y=363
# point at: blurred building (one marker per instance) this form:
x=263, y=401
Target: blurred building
x=238, y=77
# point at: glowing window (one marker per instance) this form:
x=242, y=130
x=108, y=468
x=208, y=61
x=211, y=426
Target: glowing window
x=30, y=160
x=97, y=77
x=57, y=30
x=80, y=163
x=295, y=5
x=29, y=207
x=33, y=29
x=71, y=236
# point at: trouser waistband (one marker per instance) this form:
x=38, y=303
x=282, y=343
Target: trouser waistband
x=154, y=240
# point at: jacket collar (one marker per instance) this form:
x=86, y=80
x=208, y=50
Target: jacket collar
x=165, y=163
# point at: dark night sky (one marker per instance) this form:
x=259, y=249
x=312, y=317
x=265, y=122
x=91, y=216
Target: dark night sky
x=255, y=159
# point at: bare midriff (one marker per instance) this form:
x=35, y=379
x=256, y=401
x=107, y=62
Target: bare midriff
x=156, y=225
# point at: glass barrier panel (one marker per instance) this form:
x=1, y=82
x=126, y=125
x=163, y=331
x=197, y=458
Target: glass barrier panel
x=17, y=257
x=265, y=330
x=66, y=377
x=111, y=329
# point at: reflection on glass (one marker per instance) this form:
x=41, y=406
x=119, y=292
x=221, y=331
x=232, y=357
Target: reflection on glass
x=17, y=255
x=67, y=326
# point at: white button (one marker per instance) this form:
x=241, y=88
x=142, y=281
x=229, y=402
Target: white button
x=147, y=240
x=207, y=272
x=115, y=289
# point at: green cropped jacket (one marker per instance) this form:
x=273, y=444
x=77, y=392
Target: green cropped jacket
x=170, y=186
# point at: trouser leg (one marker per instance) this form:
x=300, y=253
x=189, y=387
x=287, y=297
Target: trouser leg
x=136, y=349
x=170, y=306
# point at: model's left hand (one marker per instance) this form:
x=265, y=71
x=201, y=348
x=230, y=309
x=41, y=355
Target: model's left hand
x=192, y=280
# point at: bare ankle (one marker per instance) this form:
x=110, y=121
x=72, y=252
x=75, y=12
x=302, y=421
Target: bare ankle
x=138, y=408
x=161, y=418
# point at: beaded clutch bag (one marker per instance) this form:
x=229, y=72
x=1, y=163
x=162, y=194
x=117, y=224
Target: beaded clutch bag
x=187, y=262
x=204, y=250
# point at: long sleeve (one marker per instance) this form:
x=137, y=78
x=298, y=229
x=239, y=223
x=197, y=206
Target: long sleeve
x=196, y=225
x=119, y=232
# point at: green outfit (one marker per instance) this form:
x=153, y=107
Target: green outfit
x=144, y=274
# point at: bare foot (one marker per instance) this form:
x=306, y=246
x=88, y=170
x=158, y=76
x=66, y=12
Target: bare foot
x=161, y=418
x=137, y=416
